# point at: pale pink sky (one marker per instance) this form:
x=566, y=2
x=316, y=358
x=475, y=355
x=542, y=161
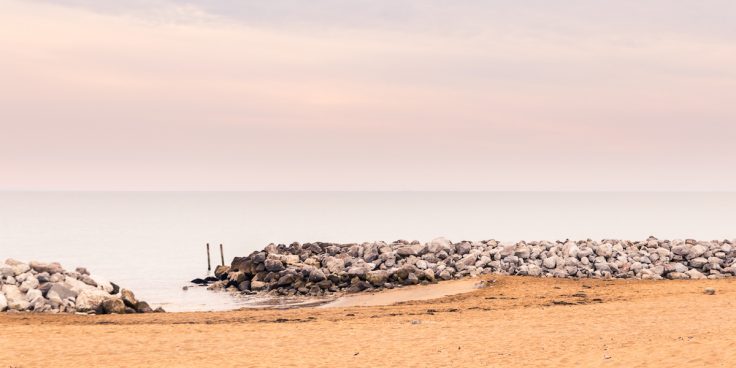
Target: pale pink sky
x=367, y=95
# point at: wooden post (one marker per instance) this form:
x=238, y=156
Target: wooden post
x=209, y=267
x=222, y=256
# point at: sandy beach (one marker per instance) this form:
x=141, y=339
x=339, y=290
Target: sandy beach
x=516, y=321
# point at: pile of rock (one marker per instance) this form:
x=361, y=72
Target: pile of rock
x=320, y=268
x=48, y=288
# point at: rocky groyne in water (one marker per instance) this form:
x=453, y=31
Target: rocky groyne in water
x=322, y=268
x=49, y=288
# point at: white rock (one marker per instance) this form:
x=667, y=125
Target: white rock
x=20, y=268
x=29, y=284
x=16, y=299
x=3, y=302
x=90, y=299
x=570, y=249
x=534, y=270
x=695, y=274
x=54, y=299
x=439, y=244
x=681, y=268
x=696, y=251
x=36, y=300
x=33, y=294
x=77, y=286
x=698, y=262
x=57, y=277
x=6, y=271
x=604, y=250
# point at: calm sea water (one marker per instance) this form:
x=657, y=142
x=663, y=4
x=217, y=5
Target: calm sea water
x=154, y=242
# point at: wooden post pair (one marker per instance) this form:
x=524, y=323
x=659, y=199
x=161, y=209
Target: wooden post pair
x=222, y=257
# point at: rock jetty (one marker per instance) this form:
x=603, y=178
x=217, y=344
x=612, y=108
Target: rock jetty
x=49, y=288
x=322, y=268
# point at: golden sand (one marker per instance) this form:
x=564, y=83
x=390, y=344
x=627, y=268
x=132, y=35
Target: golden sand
x=518, y=321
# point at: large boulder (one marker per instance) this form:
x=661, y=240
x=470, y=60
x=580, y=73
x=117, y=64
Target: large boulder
x=696, y=251
x=54, y=299
x=6, y=271
x=604, y=250
x=334, y=265
x=241, y=264
x=698, y=262
x=403, y=272
x=463, y=263
x=286, y=280
x=550, y=262
x=274, y=265
x=128, y=298
x=220, y=271
x=406, y=252
x=462, y=248
x=113, y=306
x=76, y=285
x=439, y=244
x=29, y=284
x=50, y=268
x=446, y=274
x=695, y=274
x=37, y=302
x=522, y=252
x=316, y=275
x=15, y=299
x=533, y=270
x=377, y=278
x=357, y=271
x=236, y=277
x=427, y=275
x=143, y=307
x=291, y=259
x=90, y=300
x=20, y=268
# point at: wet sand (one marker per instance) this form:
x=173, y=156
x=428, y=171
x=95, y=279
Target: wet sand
x=399, y=295
x=517, y=321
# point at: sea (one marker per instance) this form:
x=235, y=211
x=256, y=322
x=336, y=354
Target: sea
x=154, y=243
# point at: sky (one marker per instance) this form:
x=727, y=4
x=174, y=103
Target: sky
x=367, y=95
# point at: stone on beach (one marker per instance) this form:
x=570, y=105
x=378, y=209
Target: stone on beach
x=221, y=270
x=50, y=268
x=46, y=287
x=143, y=307
x=128, y=298
x=90, y=300
x=113, y=306
x=273, y=265
x=16, y=300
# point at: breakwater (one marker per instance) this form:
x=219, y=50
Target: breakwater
x=322, y=268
